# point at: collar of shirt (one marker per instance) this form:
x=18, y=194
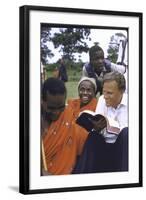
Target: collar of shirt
x=123, y=101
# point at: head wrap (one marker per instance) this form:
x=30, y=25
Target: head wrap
x=92, y=80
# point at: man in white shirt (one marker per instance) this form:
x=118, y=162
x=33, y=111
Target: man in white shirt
x=104, y=151
x=113, y=103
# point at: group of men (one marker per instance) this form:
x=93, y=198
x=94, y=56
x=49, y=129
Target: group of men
x=70, y=149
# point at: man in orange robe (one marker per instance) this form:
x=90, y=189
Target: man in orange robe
x=62, y=138
x=87, y=100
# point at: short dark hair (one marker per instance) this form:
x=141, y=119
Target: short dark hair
x=94, y=49
x=118, y=77
x=54, y=87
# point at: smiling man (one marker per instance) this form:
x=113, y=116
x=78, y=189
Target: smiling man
x=86, y=89
x=87, y=98
x=113, y=103
x=62, y=141
x=104, y=151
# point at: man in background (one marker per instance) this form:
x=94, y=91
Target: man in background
x=62, y=71
x=98, y=66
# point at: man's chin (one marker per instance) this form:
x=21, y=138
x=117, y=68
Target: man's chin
x=54, y=118
x=99, y=70
x=85, y=102
x=108, y=104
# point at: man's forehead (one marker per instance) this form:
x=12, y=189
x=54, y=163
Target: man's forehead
x=111, y=84
x=49, y=95
x=56, y=99
x=86, y=83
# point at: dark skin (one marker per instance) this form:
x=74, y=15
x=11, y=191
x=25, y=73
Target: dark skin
x=100, y=124
x=97, y=61
x=52, y=107
x=86, y=92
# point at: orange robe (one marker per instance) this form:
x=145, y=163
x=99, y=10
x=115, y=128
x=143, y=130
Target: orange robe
x=75, y=105
x=64, y=140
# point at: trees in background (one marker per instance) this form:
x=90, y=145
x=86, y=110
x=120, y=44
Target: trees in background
x=113, y=48
x=69, y=41
x=45, y=38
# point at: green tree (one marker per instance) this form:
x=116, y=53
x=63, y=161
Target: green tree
x=70, y=41
x=45, y=38
x=113, y=47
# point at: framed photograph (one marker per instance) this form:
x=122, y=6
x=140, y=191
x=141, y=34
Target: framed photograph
x=51, y=37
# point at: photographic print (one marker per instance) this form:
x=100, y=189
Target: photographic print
x=78, y=71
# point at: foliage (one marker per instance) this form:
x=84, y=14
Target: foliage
x=70, y=41
x=74, y=72
x=113, y=53
x=45, y=37
x=113, y=47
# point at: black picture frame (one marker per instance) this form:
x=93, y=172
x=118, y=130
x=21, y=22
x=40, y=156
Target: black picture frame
x=25, y=105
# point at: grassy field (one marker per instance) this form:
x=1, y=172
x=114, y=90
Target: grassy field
x=72, y=89
x=72, y=84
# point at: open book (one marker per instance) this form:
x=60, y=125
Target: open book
x=86, y=118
